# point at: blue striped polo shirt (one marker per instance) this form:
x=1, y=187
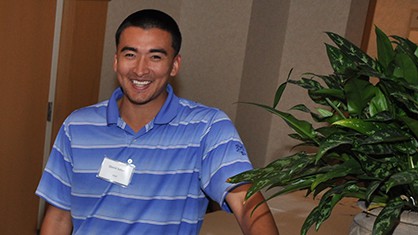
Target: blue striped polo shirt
x=181, y=157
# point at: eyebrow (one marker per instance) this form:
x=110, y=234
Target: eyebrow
x=162, y=51
x=127, y=48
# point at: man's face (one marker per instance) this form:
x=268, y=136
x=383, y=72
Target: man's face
x=144, y=62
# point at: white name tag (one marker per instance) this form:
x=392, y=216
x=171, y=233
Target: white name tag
x=116, y=172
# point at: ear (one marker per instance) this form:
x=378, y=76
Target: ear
x=115, y=62
x=176, y=65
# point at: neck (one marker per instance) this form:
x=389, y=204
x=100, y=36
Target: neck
x=138, y=115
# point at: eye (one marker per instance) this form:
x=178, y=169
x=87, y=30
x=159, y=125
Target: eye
x=129, y=55
x=156, y=57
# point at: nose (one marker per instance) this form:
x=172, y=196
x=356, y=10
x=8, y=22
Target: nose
x=141, y=67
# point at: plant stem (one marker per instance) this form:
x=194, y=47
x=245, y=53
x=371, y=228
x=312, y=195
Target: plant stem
x=411, y=162
x=335, y=108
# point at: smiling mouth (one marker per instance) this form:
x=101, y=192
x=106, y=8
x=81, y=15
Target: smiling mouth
x=141, y=83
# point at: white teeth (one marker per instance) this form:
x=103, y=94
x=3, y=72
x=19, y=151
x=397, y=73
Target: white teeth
x=140, y=83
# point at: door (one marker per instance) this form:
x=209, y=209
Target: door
x=80, y=57
x=27, y=39
x=26, y=29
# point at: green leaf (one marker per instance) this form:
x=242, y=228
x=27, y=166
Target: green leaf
x=326, y=208
x=329, y=130
x=293, y=186
x=327, y=203
x=338, y=60
x=388, y=217
x=371, y=189
x=339, y=94
x=263, y=182
x=297, y=137
x=407, y=46
x=405, y=147
x=410, y=103
x=303, y=128
x=324, y=112
x=290, y=187
x=402, y=178
x=307, y=83
x=406, y=68
x=355, y=53
x=385, y=53
x=246, y=176
x=376, y=169
x=287, y=161
x=337, y=171
x=374, y=149
x=332, y=142
x=360, y=125
x=378, y=103
x=414, y=189
x=358, y=92
x=280, y=90
x=301, y=107
x=278, y=172
x=310, y=220
x=333, y=81
x=387, y=135
x=411, y=123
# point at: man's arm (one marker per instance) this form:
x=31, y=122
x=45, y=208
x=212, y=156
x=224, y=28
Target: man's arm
x=260, y=222
x=56, y=221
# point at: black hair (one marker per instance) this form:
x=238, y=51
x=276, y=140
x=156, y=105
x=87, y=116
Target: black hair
x=148, y=19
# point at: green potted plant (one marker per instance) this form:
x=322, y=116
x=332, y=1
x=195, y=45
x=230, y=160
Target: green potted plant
x=366, y=143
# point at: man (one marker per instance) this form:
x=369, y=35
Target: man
x=145, y=161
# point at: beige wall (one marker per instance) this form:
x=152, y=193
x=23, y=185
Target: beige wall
x=240, y=50
x=215, y=38
x=304, y=51
x=300, y=34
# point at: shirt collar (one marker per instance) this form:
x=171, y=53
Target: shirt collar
x=167, y=113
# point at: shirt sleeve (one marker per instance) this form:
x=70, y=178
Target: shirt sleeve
x=55, y=183
x=224, y=156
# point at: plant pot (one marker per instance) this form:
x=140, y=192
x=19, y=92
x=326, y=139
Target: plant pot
x=363, y=222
